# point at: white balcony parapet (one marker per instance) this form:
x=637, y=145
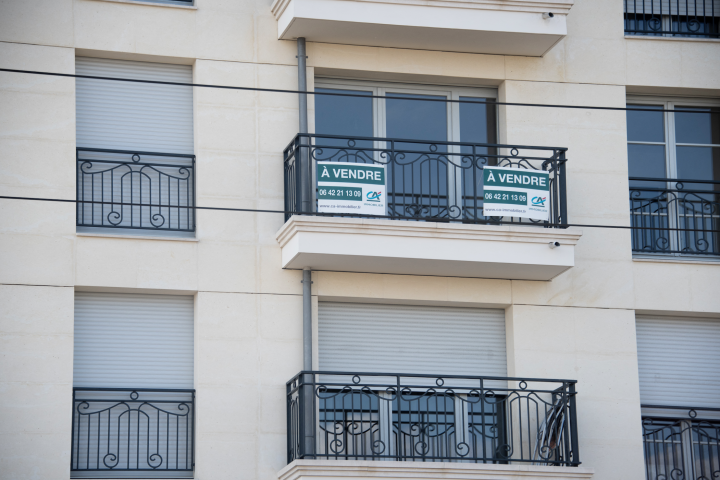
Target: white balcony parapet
x=502, y=27
x=426, y=248
x=386, y=470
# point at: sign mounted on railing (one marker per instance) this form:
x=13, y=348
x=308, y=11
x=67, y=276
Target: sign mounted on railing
x=515, y=192
x=351, y=188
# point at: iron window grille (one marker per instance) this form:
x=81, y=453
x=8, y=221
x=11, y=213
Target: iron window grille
x=673, y=18
x=674, y=164
x=378, y=416
x=681, y=442
x=119, y=431
x=426, y=180
x=135, y=190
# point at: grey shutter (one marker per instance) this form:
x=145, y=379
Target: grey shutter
x=700, y=8
x=679, y=361
x=369, y=338
x=133, y=341
x=134, y=116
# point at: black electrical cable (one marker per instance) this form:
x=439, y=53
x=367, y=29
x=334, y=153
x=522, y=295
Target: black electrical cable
x=331, y=214
x=338, y=94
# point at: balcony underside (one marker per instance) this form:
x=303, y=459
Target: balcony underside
x=473, y=27
x=364, y=469
x=415, y=248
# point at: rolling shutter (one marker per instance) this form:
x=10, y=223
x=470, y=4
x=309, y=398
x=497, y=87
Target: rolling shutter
x=411, y=339
x=679, y=361
x=134, y=116
x=133, y=341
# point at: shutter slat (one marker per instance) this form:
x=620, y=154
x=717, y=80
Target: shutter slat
x=679, y=361
x=134, y=116
x=133, y=341
x=411, y=339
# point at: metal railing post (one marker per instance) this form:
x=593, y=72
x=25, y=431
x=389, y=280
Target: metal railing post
x=563, y=190
x=573, y=425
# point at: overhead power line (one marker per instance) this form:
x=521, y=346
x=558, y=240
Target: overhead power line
x=329, y=214
x=360, y=95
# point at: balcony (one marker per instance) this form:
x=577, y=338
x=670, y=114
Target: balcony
x=521, y=27
x=673, y=18
x=658, y=206
x=434, y=221
x=133, y=190
x=681, y=442
x=475, y=423
x=126, y=433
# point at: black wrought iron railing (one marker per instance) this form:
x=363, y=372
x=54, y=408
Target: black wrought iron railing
x=126, y=430
x=430, y=181
x=378, y=416
x=675, y=216
x=136, y=190
x=681, y=442
x=674, y=18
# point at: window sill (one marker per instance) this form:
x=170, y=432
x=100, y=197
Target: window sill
x=307, y=469
x=136, y=237
x=151, y=4
x=665, y=39
x=672, y=259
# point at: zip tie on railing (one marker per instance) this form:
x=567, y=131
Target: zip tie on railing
x=338, y=94
x=349, y=215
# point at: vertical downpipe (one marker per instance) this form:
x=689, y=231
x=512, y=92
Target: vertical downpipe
x=308, y=389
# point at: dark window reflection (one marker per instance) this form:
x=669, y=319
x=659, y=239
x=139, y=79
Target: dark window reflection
x=345, y=116
x=418, y=176
x=698, y=127
x=477, y=125
x=645, y=126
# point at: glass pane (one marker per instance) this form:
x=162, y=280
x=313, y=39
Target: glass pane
x=335, y=115
x=698, y=127
x=348, y=117
x=645, y=126
x=418, y=171
x=477, y=125
x=646, y=161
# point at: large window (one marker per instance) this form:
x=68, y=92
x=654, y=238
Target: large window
x=679, y=370
x=133, y=397
x=674, y=168
x=135, y=163
x=431, y=177
x=673, y=18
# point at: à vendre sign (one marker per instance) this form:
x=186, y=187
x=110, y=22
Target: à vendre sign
x=515, y=192
x=351, y=188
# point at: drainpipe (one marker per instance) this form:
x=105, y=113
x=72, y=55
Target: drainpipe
x=306, y=397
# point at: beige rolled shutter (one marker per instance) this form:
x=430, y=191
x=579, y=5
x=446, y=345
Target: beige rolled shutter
x=679, y=361
x=424, y=340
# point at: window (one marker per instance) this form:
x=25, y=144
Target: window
x=426, y=421
x=133, y=397
x=135, y=163
x=673, y=18
x=430, y=178
x=679, y=370
x=674, y=168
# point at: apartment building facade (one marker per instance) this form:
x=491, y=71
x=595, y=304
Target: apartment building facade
x=192, y=306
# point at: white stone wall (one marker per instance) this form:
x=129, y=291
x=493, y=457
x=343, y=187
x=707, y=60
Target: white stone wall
x=248, y=310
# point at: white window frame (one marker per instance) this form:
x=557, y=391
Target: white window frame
x=670, y=145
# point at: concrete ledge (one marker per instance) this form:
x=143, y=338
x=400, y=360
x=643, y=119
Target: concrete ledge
x=340, y=469
x=426, y=248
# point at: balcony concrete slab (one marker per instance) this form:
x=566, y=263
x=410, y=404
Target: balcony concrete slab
x=337, y=469
x=426, y=248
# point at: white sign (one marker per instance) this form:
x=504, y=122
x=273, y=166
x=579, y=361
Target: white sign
x=516, y=192
x=351, y=188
